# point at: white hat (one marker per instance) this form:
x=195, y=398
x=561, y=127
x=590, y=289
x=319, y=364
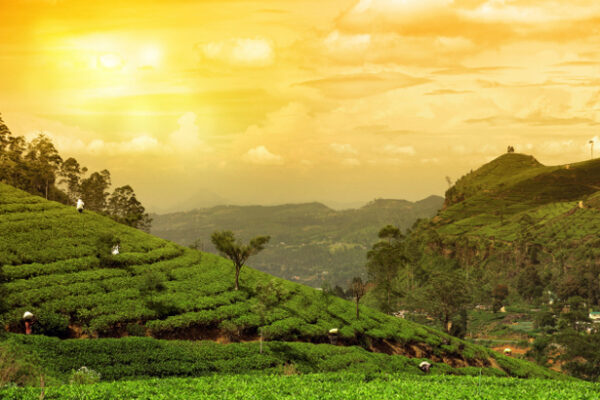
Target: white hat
x=424, y=364
x=333, y=331
x=27, y=315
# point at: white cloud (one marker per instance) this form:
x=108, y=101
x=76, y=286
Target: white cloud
x=187, y=137
x=395, y=6
x=262, y=156
x=138, y=144
x=555, y=148
x=239, y=51
x=350, y=162
x=343, y=148
x=398, y=150
x=339, y=42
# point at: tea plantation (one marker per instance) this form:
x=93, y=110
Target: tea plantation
x=59, y=268
x=321, y=386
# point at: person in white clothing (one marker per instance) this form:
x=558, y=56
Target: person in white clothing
x=80, y=205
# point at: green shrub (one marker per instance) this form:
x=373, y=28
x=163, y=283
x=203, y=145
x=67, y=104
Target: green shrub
x=135, y=329
x=84, y=376
x=51, y=324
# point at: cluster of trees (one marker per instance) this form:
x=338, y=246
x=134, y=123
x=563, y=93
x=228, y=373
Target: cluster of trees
x=570, y=338
x=402, y=280
x=38, y=168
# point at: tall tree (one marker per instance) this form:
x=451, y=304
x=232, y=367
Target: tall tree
x=529, y=284
x=447, y=295
x=12, y=165
x=125, y=208
x=44, y=163
x=5, y=135
x=237, y=252
x=358, y=291
x=384, y=261
x=94, y=190
x=72, y=173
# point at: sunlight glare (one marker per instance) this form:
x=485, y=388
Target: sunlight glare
x=150, y=56
x=111, y=61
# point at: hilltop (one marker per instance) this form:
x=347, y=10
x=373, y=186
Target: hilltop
x=158, y=289
x=558, y=202
x=519, y=223
x=311, y=243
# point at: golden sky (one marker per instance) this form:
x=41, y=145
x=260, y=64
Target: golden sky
x=271, y=101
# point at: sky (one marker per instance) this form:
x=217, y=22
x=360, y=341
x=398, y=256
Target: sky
x=278, y=101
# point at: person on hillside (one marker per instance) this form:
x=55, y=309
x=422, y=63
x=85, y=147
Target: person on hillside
x=425, y=366
x=80, y=204
x=28, y=322
x=115, y=249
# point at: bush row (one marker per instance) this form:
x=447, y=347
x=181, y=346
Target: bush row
x=135, y=357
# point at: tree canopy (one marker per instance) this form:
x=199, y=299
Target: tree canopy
x=38, y=168
x=237, y=252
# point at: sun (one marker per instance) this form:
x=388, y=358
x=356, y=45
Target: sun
x=150, y=56
x=111, y=60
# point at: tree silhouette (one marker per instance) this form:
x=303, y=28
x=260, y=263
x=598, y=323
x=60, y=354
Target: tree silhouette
x=237, y=252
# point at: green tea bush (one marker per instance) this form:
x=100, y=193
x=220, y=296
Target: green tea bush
x=341, y=385
x=51, y=324
x=84, y=376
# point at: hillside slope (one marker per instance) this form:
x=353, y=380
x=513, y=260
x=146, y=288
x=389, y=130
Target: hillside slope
x=311, y=243
x=155, y=288
x=514, y=213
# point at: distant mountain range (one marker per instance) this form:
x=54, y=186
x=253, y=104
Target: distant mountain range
x=310, y=242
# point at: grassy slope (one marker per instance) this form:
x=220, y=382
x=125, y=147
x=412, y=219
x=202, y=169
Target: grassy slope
x=492, y=201
x=48, y=254
x=309, y=241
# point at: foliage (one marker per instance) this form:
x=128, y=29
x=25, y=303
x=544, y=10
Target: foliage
x=384, y=262
x=50, y=256
x=50, y=323
x=358, y=291
x=84, y=376
x=237, y=252
x=38, y=168
x=499, y=294
x=139, y=357
x=309, y=242
x=448, y=295
x=15, y=369
x=124, y=207
x=339, y=385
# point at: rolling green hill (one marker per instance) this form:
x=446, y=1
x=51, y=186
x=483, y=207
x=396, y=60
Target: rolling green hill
x=50, y=255
x=311, y=243
x=514, y=213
